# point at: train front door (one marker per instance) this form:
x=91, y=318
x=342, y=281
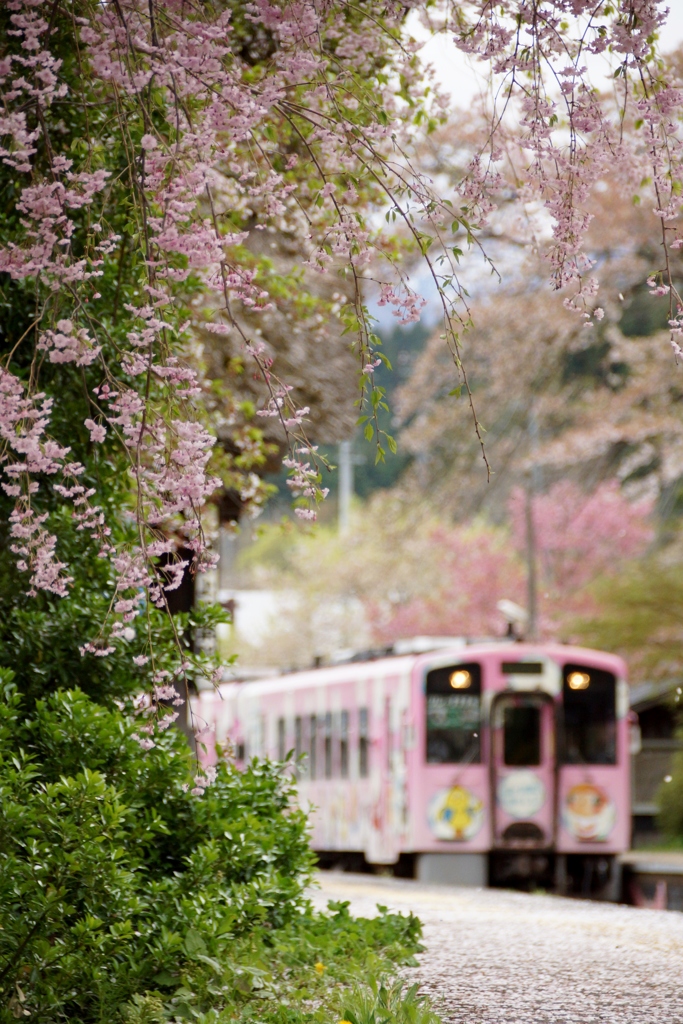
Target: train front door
x=523, y=770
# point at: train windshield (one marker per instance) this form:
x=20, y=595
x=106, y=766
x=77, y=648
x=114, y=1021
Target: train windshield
x=522, y=734
x=590, y=721
x=453, y=716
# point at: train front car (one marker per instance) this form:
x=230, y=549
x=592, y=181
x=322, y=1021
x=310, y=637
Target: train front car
x=520, y=775
x=496, y=763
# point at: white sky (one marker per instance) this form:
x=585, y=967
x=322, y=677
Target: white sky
x=457, y=74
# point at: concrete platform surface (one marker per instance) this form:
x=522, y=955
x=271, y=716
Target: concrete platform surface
x=653, y=862
x=499, y=957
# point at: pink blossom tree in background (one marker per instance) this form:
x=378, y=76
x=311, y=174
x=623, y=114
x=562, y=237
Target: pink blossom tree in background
x=579, y=539
x=470, y=569
x=465, y=570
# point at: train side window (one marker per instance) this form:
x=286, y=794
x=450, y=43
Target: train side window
x=313, y=745
x=363, y=744
x=281, y=739
x=453, y=697
x=522, y=734
x=344, y=745
x=256, y=737
x=328, y=745
x=298, y=742
x=590, y=720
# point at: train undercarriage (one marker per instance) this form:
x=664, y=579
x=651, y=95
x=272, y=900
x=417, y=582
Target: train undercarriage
x=588, y=876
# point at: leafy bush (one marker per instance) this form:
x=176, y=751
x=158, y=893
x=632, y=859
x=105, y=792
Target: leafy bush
x=670, y=800
x=125, y=897
x=380, y=1003
x=110, y=870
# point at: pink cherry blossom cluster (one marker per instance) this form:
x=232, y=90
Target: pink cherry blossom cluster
x=154, y=710
x=27, y=452
x=304, y=480
x=407, y=305
x=572, y=137
x=69, y=345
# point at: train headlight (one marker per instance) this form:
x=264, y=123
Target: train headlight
x=460, y=679
x=578, y=680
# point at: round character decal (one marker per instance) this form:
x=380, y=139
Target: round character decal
x=455, y=813
x=521, y=794
x=588, y=812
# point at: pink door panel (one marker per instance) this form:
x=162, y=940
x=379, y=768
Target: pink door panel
x=523, y=770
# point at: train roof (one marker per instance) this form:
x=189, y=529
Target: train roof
x=389, y=662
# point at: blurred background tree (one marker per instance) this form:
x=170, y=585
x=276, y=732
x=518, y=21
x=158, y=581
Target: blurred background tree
x=411, y=571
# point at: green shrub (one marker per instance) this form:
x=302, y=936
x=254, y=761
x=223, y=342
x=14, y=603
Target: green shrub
x=112, y=873
x=381, y=1003
x=126, y=898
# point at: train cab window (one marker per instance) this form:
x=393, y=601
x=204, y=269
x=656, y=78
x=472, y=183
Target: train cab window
x=453, y=697
x=344, y=745
x=590, y=720
x=281, y=739
x=328, y=745
x=363, y=744
x=522, y=735
x=313, y=746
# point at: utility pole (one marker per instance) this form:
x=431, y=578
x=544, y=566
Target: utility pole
x=532, y=488
x=531, y=579
x=345, y=485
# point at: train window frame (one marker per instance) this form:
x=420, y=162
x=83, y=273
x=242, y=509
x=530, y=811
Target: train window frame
x=580, y=719
x=454, y=749
x=328, y=763
x=300, y=745
x=312, y=746
x=363, y=743
x=344, y=744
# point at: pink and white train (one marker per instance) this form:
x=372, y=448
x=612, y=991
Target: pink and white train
x=472, y=763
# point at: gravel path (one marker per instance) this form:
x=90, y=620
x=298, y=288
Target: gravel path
x=496, y=957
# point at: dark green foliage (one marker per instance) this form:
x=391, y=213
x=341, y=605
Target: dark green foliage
x=592, y=365
x=644, y=313
x=109, y=866
x=670, y=800
x=400, y=346
x=40, y=637
x=123, y=896
x=641, y=618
